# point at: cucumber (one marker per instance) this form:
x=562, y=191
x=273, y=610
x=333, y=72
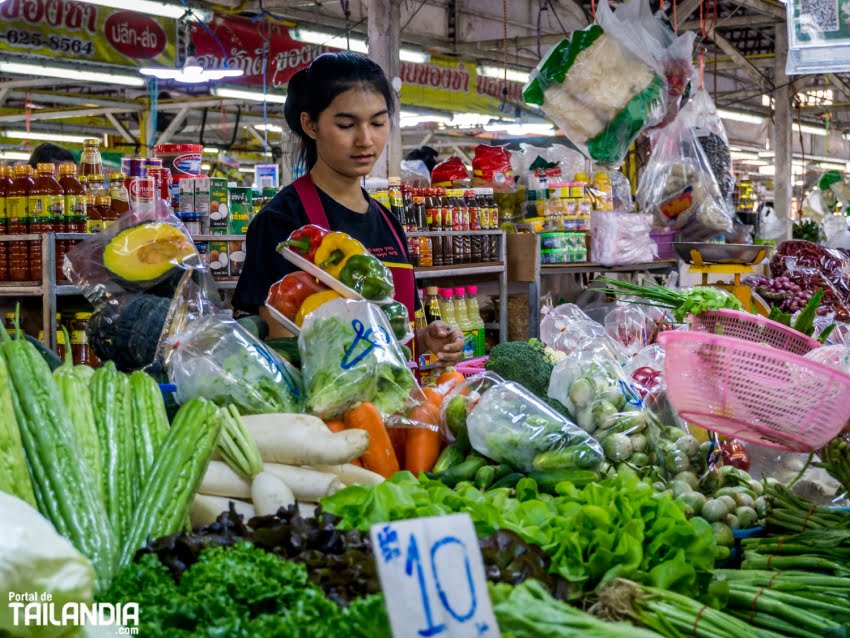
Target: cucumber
x=175, y=476
x=484, y=477
x=112, y=414
x=448, y=458
x=64, y=491
x=510, y=481
x=547, y=481
x=464, y=471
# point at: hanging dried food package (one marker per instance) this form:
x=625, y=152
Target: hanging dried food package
x=678, y=185
x=715, y=143
x=601, y=86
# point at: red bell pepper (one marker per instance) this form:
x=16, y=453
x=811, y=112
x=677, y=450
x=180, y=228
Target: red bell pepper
x=305, y=240
x=287, y=295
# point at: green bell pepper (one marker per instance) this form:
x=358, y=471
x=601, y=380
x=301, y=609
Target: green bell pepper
x=368, y=276
x=399, y=321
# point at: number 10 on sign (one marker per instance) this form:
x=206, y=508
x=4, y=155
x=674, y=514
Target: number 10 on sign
x=433, y=578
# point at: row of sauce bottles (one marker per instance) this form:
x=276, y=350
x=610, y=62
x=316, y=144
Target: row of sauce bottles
x=446, y=211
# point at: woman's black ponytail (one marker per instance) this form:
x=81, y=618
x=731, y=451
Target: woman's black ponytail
x=312, y=90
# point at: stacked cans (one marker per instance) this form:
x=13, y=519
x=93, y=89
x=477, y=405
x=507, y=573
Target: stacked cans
x=194, y=204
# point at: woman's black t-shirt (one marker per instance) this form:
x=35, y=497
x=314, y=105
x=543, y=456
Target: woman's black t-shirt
x=284, y=214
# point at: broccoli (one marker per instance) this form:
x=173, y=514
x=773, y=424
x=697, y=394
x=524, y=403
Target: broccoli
x=522, y=362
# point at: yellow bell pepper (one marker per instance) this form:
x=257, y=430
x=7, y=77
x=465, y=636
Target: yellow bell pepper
x=312, y=302
x=335, y=250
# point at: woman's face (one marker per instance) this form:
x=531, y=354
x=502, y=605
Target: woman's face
x=351, y=133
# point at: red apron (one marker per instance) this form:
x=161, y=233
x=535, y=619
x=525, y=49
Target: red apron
x=403, y=279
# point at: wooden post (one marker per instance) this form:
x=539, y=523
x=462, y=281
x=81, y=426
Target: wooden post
x=784, y=178
x=384, y=46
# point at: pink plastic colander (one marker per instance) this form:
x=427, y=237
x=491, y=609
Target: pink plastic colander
x=753, y=392
x=471, y=367
x=743, y=325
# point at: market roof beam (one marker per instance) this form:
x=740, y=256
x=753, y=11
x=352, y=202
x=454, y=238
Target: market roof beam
x=684, y=10
x=122, y=130
x=732, y=22
x=763, y=6
x=75, y=99
x=61, y=114
x=173, y=125
x=841, y=82
x=742, y=63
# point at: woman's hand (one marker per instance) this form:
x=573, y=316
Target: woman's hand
x=443, y=340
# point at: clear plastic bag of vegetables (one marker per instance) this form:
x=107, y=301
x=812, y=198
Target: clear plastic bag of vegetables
x=349, y=355
x=219, y=360
x=604, y=403
x=678, y=185
x=508, y=424
x=569, y=329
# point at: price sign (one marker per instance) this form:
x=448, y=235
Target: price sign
x=433, y=578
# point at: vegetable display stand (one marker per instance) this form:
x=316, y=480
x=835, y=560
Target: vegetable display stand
x=726, y=259
x=754, y=392
x=743, y=325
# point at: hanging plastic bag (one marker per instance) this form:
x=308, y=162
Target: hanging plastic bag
x=621, y=238
x=837, y=357
x=415, y=173
x=711, y=134
x=601, y=87
x=508, y=424
x=678, y=186
x=811, y=266
x=349, y=355
x=146, y=280
x=450, y=173
x=634, y=327
x=219, y=360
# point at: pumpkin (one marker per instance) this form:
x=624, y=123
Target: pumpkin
x=141, y=256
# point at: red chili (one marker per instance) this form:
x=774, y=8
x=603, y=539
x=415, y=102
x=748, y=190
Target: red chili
x=306, y=240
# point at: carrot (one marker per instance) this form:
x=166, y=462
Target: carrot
x=449, y=379
x=434, y=396
x=335, y=425
x=423, y=443
x=379, y=456
x=356, y=462
x=398, y=437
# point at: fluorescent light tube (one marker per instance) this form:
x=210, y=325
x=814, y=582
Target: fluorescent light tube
x=767, y=170
x=191, y=74
x=246, y=169
x=808, y=129
x=740, y=116
x=271, y=128
x=499, y=73
x=330, y=40
x=521, y=129
x=14, y=156
x=767, y=153
x=205, y=167
x=414, y=56
x=414, y=119
x=47, y=137
x=70, y=74
x=241, y=94
x=148, y=7
x=212, y=150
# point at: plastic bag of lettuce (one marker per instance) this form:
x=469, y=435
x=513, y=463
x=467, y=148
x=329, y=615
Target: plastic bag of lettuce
x=349, y=355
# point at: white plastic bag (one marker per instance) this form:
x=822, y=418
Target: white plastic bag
x=219, y=360
x=35, y=559
x=621, y=238
x=349, y=355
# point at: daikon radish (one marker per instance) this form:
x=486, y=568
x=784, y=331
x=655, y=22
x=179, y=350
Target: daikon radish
x=222, y=480
x=269, y=493
x=351, y=474
x=307, y=510
x=306, y=484
x=302, y=439
x=205, y=509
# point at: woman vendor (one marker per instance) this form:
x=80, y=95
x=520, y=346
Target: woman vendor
x=340, y=109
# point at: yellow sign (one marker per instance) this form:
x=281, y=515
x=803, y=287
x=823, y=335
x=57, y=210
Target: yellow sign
x=86, y=32
x=453, y=85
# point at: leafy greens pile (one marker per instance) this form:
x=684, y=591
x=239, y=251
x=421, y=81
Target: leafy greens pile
x=241, y=591
x=619, y=527
x=342, y=367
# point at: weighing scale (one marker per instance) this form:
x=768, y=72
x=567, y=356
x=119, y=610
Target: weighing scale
x=726, y=259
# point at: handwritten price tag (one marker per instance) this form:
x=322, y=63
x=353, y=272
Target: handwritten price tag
x=433, y=578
